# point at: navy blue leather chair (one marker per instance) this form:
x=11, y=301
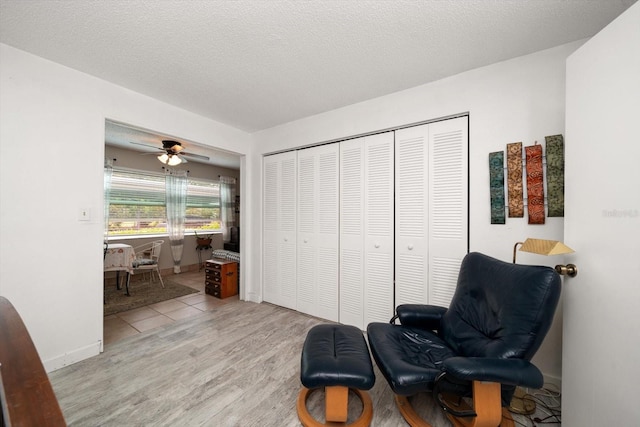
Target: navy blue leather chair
x=478, y=347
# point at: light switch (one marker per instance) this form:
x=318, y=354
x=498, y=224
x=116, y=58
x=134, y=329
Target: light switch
x=84, y=214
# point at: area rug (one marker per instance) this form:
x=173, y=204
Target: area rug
x=142, y=293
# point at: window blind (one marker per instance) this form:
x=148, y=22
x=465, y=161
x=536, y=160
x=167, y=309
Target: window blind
x=137, y=188
x=137, y=203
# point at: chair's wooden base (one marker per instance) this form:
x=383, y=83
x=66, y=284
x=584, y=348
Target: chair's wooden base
x=507, y=420
x=486, y=404
x=336, y=405
x=409, y=414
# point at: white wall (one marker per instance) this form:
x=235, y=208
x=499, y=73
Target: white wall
x=51, y=162
x=601, y=323
x=516, y=100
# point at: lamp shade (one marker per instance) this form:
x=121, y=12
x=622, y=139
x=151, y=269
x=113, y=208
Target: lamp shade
x=170, y=159
x=545, y=247
x=174, y=160
x=548, y=247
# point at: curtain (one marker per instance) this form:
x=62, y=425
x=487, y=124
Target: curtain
x=108, y=173
x=176, y=202
x=227, y=205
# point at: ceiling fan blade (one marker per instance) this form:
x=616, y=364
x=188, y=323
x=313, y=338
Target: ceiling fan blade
x=146, y=145
x=176, y=148
x=194, y=156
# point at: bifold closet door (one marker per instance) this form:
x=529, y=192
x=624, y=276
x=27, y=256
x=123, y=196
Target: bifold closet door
x=352, y=232
x=279, y=254
x=431, y=210
x=448, y=206
x=412, y=222
x=366, y=230
x=317, y=236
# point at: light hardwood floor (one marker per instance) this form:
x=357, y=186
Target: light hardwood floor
x=235, y=365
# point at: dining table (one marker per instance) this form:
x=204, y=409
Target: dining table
x=119, y=257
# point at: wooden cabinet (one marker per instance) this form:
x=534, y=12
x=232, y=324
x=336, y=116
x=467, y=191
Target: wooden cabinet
x=221, y=278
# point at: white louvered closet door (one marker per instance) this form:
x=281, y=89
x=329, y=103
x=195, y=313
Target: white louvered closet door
x=317, y=236
x=378, y=228
x=352, y=232
x=448, y=206
x=412, y=207
x=279, y=189
x=431, y=210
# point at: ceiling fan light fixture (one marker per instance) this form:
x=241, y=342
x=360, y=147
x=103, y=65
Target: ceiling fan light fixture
x=170, y=159
x=174, y=160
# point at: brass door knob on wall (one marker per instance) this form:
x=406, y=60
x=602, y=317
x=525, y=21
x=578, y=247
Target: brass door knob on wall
x=570, y=270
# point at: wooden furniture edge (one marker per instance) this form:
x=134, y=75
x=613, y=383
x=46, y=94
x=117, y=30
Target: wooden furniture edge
x=27, y=394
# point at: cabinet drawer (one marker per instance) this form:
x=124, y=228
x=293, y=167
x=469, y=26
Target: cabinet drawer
x=213, y=276
x=216, y=291
x=213, y=282
x=213, y=266
x=210, y=287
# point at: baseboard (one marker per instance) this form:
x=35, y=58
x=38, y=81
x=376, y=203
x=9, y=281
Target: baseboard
x=252, y=297
x=72, y=357
x=555, y=381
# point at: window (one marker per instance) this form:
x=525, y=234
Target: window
x=203, y=205
x=137, y=204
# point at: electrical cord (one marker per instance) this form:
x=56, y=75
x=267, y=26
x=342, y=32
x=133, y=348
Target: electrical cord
x=548, y=407
x=518, y=422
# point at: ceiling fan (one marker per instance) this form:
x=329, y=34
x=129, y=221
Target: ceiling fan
x=173, y=152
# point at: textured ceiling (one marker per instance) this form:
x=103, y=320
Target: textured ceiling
x=254, y=64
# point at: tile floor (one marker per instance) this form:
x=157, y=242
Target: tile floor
x=127, y=323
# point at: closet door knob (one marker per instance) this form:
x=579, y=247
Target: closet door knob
x=410, y=247
x=376, y=245
x=286, y=239
x=305, y=240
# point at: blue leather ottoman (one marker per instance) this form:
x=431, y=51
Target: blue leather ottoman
x=336, y=358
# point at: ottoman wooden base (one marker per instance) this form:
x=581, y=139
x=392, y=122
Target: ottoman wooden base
x=335, y=358
x=336, y=404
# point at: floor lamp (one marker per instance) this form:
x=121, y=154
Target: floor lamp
x=547, y=247
x=519, y=402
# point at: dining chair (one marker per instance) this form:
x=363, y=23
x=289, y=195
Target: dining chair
x=148, y=258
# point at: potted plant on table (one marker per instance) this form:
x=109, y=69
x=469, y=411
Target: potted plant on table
x=203, y=239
